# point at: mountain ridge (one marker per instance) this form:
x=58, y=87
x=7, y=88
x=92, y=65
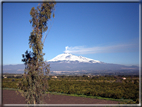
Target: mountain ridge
x=72, y=64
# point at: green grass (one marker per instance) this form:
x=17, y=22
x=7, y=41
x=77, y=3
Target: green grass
x=94, y=97
x=9, y=89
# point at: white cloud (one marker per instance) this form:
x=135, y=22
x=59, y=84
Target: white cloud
x=102, y=49
x=20, y=70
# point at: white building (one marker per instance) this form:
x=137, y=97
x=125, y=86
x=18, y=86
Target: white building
x=124, y=78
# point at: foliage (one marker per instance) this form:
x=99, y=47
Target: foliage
x=96, y=87
x=34, y=84
x=8, y=83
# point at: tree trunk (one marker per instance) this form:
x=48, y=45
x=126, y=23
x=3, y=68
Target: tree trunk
x=34, y=102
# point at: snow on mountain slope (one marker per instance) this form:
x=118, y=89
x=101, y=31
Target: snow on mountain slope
x=70, y=57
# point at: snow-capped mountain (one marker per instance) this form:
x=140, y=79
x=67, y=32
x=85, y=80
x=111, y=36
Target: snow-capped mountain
x=67, y=63
x=67, y=57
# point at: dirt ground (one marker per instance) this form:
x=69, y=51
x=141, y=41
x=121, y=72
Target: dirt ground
x=11, y=97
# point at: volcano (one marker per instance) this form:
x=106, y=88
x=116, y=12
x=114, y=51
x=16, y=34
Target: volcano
x=67, y=63
x=67, y=57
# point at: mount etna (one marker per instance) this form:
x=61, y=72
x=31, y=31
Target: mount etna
x=69, y=64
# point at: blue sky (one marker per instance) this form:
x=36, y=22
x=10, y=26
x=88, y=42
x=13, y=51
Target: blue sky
x=107, y=32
